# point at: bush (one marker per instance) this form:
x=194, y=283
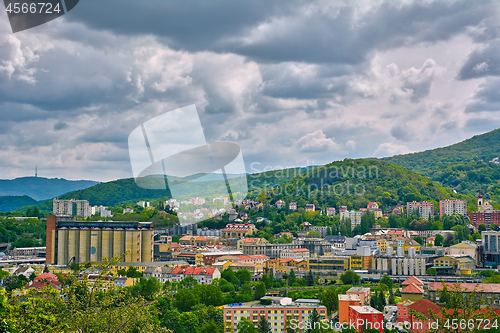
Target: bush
x=266, y=301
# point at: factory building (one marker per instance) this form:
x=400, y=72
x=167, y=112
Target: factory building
x=89, y=241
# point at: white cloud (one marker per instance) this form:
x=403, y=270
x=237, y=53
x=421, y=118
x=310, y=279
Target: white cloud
x=389, y=149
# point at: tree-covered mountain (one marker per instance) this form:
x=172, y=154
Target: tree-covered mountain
x=40, y=188
x=464, y=167
x=10, y=203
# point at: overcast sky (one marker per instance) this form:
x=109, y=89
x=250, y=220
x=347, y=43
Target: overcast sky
x=292, y=83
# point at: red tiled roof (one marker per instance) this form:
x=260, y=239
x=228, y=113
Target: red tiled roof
x=175, y=245
x=193, y=270
x=413, y=280
x=412, y=289
x=467, y=287
x=300, y=250
x=237, y=227
x=395, y=232
x=424, y=306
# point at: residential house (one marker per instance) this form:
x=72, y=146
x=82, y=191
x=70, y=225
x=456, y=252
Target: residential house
x=204, y=275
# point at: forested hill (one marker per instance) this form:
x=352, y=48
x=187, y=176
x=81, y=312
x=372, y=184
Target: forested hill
x=40, y=188
x=355, y=183
x=10, y=203
x=464, y=167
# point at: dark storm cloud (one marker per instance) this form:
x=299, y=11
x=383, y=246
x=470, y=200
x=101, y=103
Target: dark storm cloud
x=486, y=98
x=401, y=132
x=289, y=31
x=482, y=63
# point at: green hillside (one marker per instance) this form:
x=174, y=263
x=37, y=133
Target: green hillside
x=464, y=167
x=11, y=203
x=354, y=183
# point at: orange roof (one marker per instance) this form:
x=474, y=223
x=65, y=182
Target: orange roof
x=413, y=280
x=423, y=306
x=412, y=289
x=300, y=250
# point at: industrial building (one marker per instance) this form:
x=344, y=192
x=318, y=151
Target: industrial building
x=87, y=241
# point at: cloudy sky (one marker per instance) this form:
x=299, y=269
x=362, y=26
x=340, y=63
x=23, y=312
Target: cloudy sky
x=292, y=83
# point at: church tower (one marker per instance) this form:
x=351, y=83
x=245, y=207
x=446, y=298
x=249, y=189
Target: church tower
x=479, y=199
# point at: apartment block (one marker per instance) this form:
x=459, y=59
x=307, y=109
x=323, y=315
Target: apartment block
x=450, y=207
x=425, y=209
x=71, y=207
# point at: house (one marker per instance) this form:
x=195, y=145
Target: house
x=204, y=275
x=412, y=293
x=413, y=280
x=490, y=292
x=124, y=281
x=45, y=279
x=419, y=315
x=280, y=204
x=286, y=265
x=292, y=206
x=310, y=208
x=163, y=274
x=337, y=241
x=250, y=241
x=24, y=270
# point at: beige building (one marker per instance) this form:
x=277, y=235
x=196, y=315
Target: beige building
x=295, y=254
x=250, y=241
x=464, y=248
x=238, y=230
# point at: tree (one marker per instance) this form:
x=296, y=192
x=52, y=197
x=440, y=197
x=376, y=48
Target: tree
x=243, y=276
x=391, y=297
x=310, y=278
x=314, y=325
x=230, y=276
x=330, y=300
x=32, y=276
x=188, y=282
x=393, y=221
x=438, y=240
x=481, y=227
x=419, y=240
x=146, y=288
x=387, y=281
x=260, y=290
x=246, y=326
x=264, y=325
x=349, y=277
x=291, y=278
x=313, y=234
x=267, y=281
x=382, y=300
x=431, y=271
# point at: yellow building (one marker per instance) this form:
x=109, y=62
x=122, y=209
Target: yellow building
x=359, y=262
x=250, y=241
x=286, y=265
x=454, y=265
x=238, y=230
x=382, y=244
x=329, y=263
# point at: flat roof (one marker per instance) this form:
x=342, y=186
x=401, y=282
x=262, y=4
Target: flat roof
x=365, y=309
x=349, y=298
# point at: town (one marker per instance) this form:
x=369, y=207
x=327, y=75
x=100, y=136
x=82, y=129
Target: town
x=276, y=264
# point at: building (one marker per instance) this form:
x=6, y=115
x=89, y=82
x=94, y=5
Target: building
x=239, y=258
x=419, y=315
x=292, y=206
x=327, y=264
x=330, y=211
x=413, y=280
x=362, y=292
x=45, y=279
x=486, y=217
x=412, y=293
x=490, y=292
x=483, y=204
x=238, y=230
x=277, y=315
x=450, y=207
x=26, y=271
x=295, y=254
x=354, y=216
x=491, y=247
x=398, y=210
x=128, y=210
x=345, y=301
x=323, y=231
x=28, y=251
x=197, y=201
x=366, y=317
x=280, y=204
x=382, y=244
x=454, y=265
x=85, y=241
x=163, y=274
x=71, y=207
x=270, y=250
x=101, y=210
x=286, y=265
x=250, y=241
x=425, y=209
x=465, y=248
x=199, y=240
x=209, y=258
x=310, y=208
x=222, y=199
x=338, y=242
x=204, y=275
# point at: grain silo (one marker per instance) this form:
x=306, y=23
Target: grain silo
x=132, y=244
x=147, y=245
x=118, y=242
x=107, y=243
x=84, y=245
x=73, y=243
x=95, y=244
x=62, y=245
